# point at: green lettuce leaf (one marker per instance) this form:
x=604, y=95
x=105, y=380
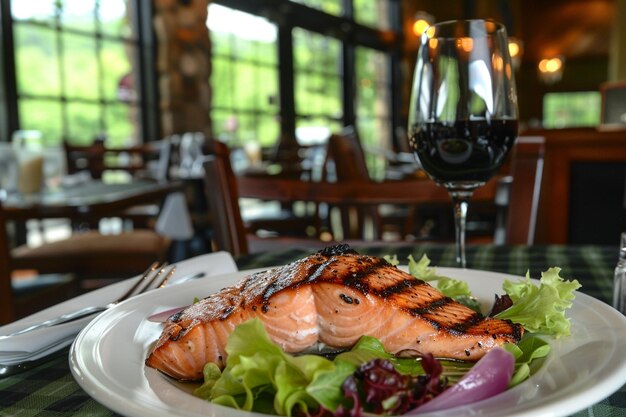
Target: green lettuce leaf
x=527, y=354
x=453, y=288
x=392, y=259
x=541, y=309
x=259, y=376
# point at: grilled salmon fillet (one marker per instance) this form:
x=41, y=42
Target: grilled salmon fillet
x=334, y=296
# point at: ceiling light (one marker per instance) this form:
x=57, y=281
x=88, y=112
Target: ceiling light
x=516, y=50
x=551, y=69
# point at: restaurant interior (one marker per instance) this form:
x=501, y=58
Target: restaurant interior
x=276, y=160
x=135, y=131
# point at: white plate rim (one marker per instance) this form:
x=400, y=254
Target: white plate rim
x=89, y=364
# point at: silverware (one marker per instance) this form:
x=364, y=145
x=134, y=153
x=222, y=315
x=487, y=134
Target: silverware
x=91, y=310
x=29, y=360
x=60, y=343
x=190, y=277
x=149, y=277
x=8, y=370
x=18, y=361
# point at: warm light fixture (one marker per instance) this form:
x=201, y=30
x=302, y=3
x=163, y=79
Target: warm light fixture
x=421, y=22
x=551, y=69
x=516, y=50
x=466, y=44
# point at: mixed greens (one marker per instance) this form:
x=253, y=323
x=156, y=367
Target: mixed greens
x=540, y=309
x=259, y=376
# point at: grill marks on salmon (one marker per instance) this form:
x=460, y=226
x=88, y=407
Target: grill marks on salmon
x=334, y=297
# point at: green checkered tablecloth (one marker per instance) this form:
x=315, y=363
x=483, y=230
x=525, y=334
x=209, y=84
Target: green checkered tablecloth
x=50, y=390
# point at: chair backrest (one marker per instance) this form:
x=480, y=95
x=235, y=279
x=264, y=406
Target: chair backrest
x=525, y=190
x=345, y=161
x=85, y=158
x=229, y=233
x=96, y=158
x=223, y=190
x=345, y=158
x=287, y=154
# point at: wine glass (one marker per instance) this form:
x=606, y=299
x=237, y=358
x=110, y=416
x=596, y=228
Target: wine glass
x=462, y=120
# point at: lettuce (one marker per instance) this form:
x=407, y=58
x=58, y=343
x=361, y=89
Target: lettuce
x=527, y=354
x=259, y=376
x=453, y=288
x=541, y=309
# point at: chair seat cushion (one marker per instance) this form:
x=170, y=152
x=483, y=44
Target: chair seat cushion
x=129, y=251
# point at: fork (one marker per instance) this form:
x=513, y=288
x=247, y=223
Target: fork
x=148, y=277
x=9, y=370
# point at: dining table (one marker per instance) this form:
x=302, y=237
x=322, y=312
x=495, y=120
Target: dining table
x=95, y=198
x=84, y=200
x=50, y=388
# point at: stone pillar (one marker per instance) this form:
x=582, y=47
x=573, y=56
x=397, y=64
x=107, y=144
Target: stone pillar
x=183, y=65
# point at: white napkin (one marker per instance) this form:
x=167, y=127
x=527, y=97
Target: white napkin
x=33, y=345
x=174, y=220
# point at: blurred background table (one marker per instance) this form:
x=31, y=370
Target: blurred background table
x=51, y=390
x=82, y=251
x=91, y=198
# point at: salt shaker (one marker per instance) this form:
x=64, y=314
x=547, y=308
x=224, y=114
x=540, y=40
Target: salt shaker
x=619, y=279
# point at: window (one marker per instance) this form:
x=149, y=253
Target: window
x=373, y=98
x=325, y=78
x=333, y=7
x=579, y=109
x=75, y=64
x=318, y=85
x=244, y=77
x=374, y=13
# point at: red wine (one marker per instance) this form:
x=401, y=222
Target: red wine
x=463, y=151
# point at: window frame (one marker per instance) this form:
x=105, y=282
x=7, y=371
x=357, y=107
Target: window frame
x=243, y=112
x=148, y=127
x=288, y=15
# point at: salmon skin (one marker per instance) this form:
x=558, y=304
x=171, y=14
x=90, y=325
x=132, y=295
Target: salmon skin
x=332, y=297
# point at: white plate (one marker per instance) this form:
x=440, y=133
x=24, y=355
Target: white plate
x=107, y=358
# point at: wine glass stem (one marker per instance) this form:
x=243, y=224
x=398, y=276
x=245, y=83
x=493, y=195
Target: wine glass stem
x=460, y=201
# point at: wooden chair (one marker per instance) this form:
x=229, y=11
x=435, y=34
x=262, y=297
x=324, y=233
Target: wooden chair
x=85, y=158
x=288, y=154
x=229, y=232
x=91, y=258
x=224, y=190
x=76, y=264
x=17, y=302
x=150, y=160
x=146, y=160
x=345, y=161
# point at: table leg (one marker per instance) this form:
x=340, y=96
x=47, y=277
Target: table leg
x=7, y=306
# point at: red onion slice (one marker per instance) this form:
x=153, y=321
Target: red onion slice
x=490, y=376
